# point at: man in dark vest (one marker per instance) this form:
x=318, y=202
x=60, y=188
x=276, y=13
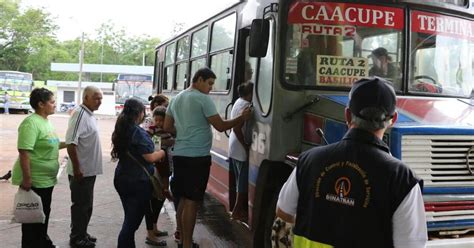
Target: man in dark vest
x=353, y=193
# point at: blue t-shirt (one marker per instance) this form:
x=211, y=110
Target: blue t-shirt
x=190, y=110
x=140, y=143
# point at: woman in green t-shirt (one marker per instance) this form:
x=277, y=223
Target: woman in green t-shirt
x=37, y=166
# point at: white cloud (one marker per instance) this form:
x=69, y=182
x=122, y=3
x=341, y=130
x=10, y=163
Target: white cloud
x=138, y=17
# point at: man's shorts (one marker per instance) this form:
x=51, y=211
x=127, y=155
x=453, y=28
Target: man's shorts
x=241, y=172
x=191, y=175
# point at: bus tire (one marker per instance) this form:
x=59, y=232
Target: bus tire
x=272, y=176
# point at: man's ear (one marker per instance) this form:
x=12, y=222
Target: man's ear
x=348, y=115
x=394, y=119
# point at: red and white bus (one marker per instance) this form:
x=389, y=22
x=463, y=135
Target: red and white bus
x=132, y=86
x=305, y=55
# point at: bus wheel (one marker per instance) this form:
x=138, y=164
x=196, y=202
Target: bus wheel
x=269, y=219
x=25, y=111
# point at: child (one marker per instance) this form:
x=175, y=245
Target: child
x=165, y=141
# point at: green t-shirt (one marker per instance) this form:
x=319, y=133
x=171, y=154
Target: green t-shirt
x=36, y=135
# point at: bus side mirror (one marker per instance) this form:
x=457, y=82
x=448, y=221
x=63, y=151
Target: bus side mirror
x=259, y=33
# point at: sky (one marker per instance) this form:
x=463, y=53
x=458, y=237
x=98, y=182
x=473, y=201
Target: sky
x=155, y=18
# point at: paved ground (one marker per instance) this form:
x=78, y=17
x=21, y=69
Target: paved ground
x=213, y=228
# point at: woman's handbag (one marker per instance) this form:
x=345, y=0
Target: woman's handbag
x=158, y=185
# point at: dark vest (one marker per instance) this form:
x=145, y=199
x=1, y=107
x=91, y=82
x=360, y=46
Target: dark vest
x=349, y=191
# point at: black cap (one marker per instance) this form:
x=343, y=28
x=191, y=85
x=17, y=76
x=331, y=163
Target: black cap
x=369, y=94
x=379, y=52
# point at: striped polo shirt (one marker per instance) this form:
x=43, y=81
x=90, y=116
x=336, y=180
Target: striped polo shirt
x=84, y=133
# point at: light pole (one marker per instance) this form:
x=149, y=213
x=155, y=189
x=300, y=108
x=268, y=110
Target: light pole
x=101, y=57
x=81, y=62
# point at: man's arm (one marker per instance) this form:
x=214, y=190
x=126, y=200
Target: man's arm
x=409, y=221
x=221, y=125
x=285, y=216
x=238, y=133
x=288, y=199
x=168, y=126
x=76, y=167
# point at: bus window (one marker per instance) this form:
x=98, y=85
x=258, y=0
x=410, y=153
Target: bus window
x=183, y=49
x=169, y=66
x=223, y=33
x=196, y=65
x=170, y=54
x=384, y=53
x=199, y=43
x=168, y=78
x=221, y=65
x=324, y=51
x=250, y=66
x=222, y=41
x=443, y=58
x=265, y=76
x=181, y=77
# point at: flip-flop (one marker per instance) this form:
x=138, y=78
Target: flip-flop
x=161, y=233
x=155, y=243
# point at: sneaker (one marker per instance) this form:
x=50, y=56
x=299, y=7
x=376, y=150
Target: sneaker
x=82, y=243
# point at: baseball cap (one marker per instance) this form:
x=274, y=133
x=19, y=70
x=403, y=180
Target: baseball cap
x=379, y=52
x=372, y=99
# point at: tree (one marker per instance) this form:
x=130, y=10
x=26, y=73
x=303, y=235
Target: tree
x=21, y=33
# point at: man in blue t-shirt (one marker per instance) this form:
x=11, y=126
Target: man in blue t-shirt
x=190, y=115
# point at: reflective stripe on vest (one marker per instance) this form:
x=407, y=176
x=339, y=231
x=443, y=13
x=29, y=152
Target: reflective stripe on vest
x=300, y=241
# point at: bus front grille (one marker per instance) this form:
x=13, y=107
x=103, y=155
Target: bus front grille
x=440, y=160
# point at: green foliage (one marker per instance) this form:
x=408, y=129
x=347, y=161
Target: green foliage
x=28, y=43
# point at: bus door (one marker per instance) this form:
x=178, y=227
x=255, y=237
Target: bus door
x=244, y=73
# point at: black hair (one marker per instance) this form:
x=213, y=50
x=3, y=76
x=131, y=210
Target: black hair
x=204, y=73
x=40, y=95
x=157, y=100
x=125, y=121
x=245, y=89
x=159, y=111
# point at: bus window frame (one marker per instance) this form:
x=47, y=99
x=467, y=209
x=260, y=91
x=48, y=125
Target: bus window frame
x=223, y=50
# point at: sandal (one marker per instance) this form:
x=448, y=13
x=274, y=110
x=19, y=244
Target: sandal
x=155, y=243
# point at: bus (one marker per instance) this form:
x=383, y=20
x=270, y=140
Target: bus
x=18, y=85
x=305, y=55
x=132, y=86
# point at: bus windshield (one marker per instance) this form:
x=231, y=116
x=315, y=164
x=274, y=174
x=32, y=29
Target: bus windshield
x=16, y=82
x=442, y=52
x=334, y=44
